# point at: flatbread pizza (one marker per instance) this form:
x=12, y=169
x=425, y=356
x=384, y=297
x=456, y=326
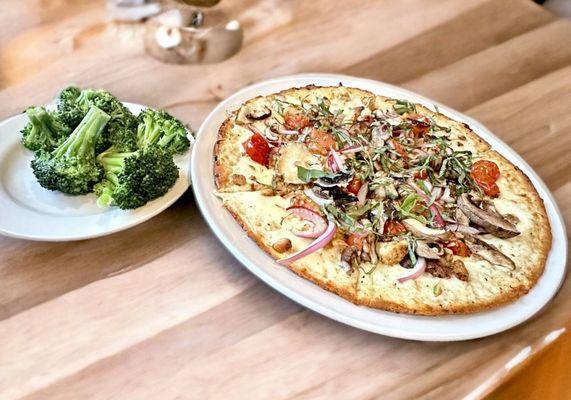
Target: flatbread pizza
x=384, y=202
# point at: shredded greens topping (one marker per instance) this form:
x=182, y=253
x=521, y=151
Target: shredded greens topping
x=397, y=165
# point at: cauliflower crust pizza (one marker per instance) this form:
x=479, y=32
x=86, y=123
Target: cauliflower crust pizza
x=381, y=201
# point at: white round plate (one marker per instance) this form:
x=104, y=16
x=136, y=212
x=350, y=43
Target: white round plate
x=28, y=211
x=441, y=328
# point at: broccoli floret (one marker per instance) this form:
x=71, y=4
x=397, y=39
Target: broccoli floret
x=121, y=129
x=45, y=131
x=134, y=178
x=72, y=168
x=68, y=109
x=159, y=127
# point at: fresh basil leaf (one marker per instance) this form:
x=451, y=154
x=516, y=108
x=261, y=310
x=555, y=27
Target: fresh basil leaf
x=403, y=106
x=307, y=175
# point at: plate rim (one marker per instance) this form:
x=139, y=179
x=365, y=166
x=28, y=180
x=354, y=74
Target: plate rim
x=555, y=218
x=174, y=193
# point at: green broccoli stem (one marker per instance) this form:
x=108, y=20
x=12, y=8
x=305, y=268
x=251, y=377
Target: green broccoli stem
x=81, y=142
x=150, y=134
x=113, y=162
x=167, y=138
x=35, y=114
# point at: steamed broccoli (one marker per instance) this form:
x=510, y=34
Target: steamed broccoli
x=159, y=127
x=45, y=131
x=120, y=132
x=68, y=109
x=134, y=178
x=72, y=168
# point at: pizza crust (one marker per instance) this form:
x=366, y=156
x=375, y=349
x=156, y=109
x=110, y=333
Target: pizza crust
x=375, y=285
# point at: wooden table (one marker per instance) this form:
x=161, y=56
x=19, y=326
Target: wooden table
x=163, y=311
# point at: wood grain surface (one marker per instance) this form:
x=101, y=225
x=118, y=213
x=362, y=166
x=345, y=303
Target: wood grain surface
x=163, y=311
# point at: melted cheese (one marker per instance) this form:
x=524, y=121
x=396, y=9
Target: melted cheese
x=293, y=155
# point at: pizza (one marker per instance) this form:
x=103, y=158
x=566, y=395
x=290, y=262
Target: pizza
x=384, y=202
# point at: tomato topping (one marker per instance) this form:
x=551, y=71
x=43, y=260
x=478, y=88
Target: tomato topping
x=354, y=186
x=490, y=189
x=486, y=173
x=356, y=240
x=296, y=120
x=258, y=149
x=393, y=227
x=421, y=174
x=458, y=248
x=399, y=149
x=321, y=142
x=420, y=126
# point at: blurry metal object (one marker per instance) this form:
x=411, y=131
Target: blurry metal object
x=132, y=10
x=199, y=3
x=187, y=35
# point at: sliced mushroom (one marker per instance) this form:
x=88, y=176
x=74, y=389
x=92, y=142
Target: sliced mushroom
x=421, y=231
x=512, y=218
x=489, y=252
x=378, y=136
x=347, y=256
x=258, y=112
x=373, y=250
x=429, y=250
x=489, y=220
x=461, y=218
x=338, y=195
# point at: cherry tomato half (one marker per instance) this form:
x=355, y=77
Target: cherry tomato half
x=486, y=173
x=296, y=120
x=458, y=248
x=321, y=142
x=421, y=174
x=257, y=149
x=420, y=125
x=393, y=227
x=490, y=189
x=354, y=186
x=399, y=149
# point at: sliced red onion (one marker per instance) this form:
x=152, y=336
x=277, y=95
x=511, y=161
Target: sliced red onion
x=428, y=185
x=362, y=193
x=352, y=149
x=462, y=229
x=283, y=131
x=318, y=222
x=331, y=163
x=436, y=193
x=317, y=244
x=438, y=220
x=320, y=201
x=338, y=160
x=415, y=272
x=449, y=151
